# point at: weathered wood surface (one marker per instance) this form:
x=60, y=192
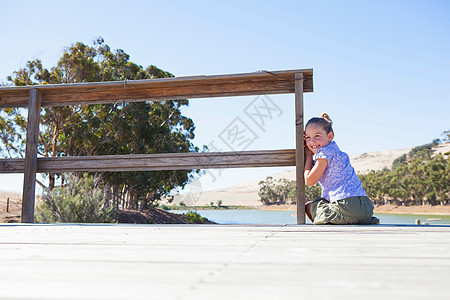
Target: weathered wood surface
x=64, y=261
x=299, y=155
x=257, y=83
x=149, y=162
x=30, y=167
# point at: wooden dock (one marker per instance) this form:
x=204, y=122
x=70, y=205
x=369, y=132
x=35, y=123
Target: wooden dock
x=224, y=262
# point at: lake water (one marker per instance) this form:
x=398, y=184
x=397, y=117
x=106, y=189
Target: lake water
x=254, y=216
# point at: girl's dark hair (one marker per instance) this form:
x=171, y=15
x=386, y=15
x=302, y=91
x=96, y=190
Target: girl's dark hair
x=323, y=121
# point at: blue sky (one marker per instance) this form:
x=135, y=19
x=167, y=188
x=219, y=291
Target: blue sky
x=381, y=68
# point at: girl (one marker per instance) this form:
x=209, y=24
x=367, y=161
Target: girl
x=343, y=200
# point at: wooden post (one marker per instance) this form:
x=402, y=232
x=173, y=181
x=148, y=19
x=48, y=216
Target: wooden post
x=29, y=178
x=299, y=153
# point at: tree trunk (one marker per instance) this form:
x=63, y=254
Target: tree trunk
x=116, y=198
x=51, y=181
x=107, y=195
x=131, y=201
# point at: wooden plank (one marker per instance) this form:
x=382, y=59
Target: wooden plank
x=299, y=157
x=12, y=165
x=168, y=162
x=149, y=162
x=137, y=93
x=224, y=262
x=29, y=182
x=258, y=83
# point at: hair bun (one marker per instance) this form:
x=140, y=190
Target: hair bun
x=326, y=117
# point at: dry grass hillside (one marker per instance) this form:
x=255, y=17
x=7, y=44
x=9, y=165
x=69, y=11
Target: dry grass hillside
x=10, y=212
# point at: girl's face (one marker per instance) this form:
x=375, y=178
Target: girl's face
x=316, y=137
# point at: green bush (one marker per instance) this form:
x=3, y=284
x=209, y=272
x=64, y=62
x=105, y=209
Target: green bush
x=164, y=207
x=193, y=217
x=399, y=161
x=423, y=149
x=80, y=201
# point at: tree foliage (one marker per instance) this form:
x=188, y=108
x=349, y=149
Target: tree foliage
x=420, y=178
x=446, y=135
x=111, y=129
x=283, y=191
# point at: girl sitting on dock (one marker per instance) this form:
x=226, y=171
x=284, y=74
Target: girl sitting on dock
x=343, y=200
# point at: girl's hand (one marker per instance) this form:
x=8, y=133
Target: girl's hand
x=307, y=151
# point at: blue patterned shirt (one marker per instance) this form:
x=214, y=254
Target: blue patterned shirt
x=339, y=181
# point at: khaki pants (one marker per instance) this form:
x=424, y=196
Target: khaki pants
x=353, y=210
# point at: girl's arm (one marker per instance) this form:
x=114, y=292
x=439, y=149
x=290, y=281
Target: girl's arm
x=308, y=160
x=313, y=174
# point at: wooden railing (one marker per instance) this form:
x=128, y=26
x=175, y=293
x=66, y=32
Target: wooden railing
x=258, y=83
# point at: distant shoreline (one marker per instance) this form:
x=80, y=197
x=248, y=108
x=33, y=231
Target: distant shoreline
x=379, y=209
x=414, y=210
x=385, y=209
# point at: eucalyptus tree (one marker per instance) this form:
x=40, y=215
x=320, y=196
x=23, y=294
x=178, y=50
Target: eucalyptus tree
x=423, y=178
x=117, y=128
x=283, y=191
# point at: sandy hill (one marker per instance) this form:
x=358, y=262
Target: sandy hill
x=247, y=193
